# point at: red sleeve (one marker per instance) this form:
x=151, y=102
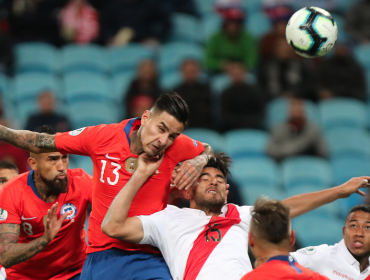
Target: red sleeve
x=9, y=204
x=84, y=183
x=184, y=148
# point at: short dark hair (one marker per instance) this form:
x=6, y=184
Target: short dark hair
x=360, y=207
x=221, y=162
x=8, y=165
x=271, y=220
x=173, y=104
x=47, y=129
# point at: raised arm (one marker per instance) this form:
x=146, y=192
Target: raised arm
x=303, y=203
x=27, y=140
x=12, y=253
x=116, y=224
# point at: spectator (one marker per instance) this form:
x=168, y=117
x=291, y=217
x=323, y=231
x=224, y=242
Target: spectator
x=341, y=75
x=298, y=136
x=285, y=75
x=145, y=84
x=242, y=105
x=196, y=93
x=8, y=170
x=357, y=21
x=231, y=43
x=79, y=22
x=47, y=115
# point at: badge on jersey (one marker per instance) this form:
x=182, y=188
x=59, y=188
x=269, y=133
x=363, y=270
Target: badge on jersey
x=70, y=208
x=131, y=164
x=307, y=251
x=3, y=214
x=195, y=143
x=77, y=131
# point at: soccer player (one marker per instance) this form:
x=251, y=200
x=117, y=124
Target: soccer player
x=270, y=238
x=114, y=150
x=42, y=220
x=348, y=259
x=8, y=171
x=209, y=239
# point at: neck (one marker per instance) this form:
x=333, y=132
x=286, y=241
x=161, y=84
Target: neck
x=43, y=190
x=363, y=261
x=136, y=146
x=262, y=255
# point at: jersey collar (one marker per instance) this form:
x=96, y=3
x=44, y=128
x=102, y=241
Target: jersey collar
x=31, y=183
x=130, y=126
x=198, y=212
x=288, y=259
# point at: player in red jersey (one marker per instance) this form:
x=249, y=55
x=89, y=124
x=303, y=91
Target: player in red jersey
x=38, y=243
x=114, y=150
x=270, y=239
x=8, y=171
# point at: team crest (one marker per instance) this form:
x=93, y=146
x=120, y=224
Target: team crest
x=131, y=164
x=195, y=143
x=3, y=214
x=307, y=251
x=77, y=131
x=70, y=208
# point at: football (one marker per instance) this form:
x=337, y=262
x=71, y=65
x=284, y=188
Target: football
x=311, y=32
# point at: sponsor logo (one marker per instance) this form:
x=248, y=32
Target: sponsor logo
x=77, y=131
x=108, y=157
x=23, y=218
x=70, y=208
x=3, y=214
x=342, y=275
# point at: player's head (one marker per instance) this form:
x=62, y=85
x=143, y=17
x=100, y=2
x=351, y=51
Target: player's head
x=356, y=232
x=8, y=171
x=161, y=125
x=209, y=192
x=50, y=168
x=270, y=228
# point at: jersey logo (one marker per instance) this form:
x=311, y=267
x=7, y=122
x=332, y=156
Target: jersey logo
x=131, y=164
x=307, y=251
x=70, y=208
x=108, y=157
x=195, y=143
x=3, y=214
x=77, y=131
x=23, y=218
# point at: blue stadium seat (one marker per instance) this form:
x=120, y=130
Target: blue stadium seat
x=347, y=203
x=258, y=24
x=173, y=54
x=186, y=28
x=37, y=57
x=206, y=6
x=343, y=112
x=170, y=80
x=91, y=58
x=352, y=142
x=256, y=172
x=211, y=24
x=246, y=143
x=344, y=5
x=362, y=54
x=83, y=162
x=252, y=6
x=211, y=137
x=126, y=59
x=346, y=167
x=321, y=230
x=120, y=84
x=220, y=82
x=368, y=83
x=81, y=86
x=305, y=170
x=250, y=194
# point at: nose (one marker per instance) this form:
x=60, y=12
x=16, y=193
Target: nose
x=61, y=165
x=360, y=232
x=163, y=139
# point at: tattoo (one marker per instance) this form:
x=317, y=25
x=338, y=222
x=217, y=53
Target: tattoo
x=11, y=252
x=28, y=140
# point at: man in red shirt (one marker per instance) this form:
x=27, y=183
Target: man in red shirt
x=114, y=150
x=35, y=246
x=270, y=239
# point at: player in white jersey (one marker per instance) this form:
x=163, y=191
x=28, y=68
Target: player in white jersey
x=209, y=240
x=348, y=259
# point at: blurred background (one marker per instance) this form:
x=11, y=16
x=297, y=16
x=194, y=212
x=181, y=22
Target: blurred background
x=292, y=125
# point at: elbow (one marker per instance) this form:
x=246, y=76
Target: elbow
x=110, y=230
x=4, y=263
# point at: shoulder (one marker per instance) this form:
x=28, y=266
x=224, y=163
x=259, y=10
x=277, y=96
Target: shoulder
x=15, y=183
x=216, y=37
x=79, y=174
x=313, y=253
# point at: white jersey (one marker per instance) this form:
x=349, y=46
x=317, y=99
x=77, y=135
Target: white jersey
x=197, y=246
x=335, y=262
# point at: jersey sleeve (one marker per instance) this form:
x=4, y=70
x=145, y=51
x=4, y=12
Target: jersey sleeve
x=9, y=206
x=312, y=257
x=153, y=226
x=184, y=148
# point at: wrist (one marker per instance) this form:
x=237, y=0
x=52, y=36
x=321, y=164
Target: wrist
x=45, y=240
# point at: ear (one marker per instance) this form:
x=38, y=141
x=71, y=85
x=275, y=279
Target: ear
x=251, y=240
x=32, y=163
x=145, y=117
x=188, y=194
x=292, y=238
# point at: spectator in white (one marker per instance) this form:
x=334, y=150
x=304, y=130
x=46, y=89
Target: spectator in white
x=79, y=22
x=357, y=21
x=209, y=240
x=298, y=136
x=348, y=259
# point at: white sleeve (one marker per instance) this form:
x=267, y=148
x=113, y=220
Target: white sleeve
x=312, y=257
x=2, y=274
x=153, y=226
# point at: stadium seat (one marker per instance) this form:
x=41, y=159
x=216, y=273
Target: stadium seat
x=362, y=54
x=120, y=84
x=250, y=194
x=246, y=143
x=346, y=167
x=81, y=86
x=220, y=82
x=170, y=80
x=186, y=29
x=368, y=83
x=211, y=137
x=206, y=6
x=252, y=7
x=343, y=112
x=305, y=170
x=37, y=57
x=256, y=172
x=211, y=24
x=90, y=58
x=258, y=24
x=172, y=55
x=347, y=203
x=125, y=59
x=352, y=142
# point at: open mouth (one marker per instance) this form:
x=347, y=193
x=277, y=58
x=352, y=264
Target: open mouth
x=212, y=191
x=358, y=244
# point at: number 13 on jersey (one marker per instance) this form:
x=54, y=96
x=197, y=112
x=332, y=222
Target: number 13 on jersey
x=108, y=177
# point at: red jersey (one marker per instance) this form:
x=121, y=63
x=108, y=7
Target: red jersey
x=283, y=267
x=65, y=255
x=109, y=148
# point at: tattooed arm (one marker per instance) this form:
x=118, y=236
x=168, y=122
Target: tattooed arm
x=27, y=140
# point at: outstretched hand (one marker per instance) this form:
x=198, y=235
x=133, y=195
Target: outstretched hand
x=149, y=165
x=52, y=224
x=354, y=185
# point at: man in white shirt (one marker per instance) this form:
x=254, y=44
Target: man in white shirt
x=209, y=240
x=348, y=259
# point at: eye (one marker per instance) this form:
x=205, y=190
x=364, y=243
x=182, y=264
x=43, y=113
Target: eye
x=353, y=225
x=367, y=227
x=161, y=129
x=2, y=182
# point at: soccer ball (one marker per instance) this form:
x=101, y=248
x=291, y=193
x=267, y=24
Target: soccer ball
x=311, y=32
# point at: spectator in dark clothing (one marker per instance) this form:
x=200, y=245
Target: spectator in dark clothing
x=145, y=84
x=341, y=76
x=196, y=93
x=242, y=105
x=47, y=115
x=285, y=75
x=357, y=21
